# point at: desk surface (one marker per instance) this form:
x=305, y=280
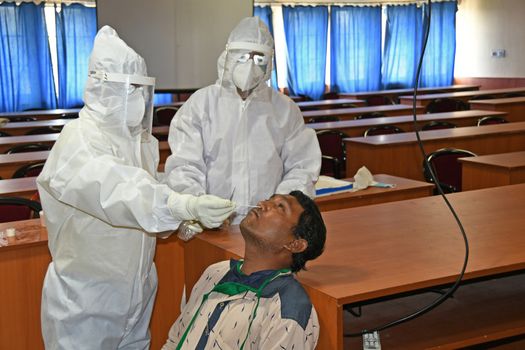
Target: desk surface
x=306, y=105
x=404, y=189
x=466, y=94
x=41, y=113
x=406, y=122
x=509, y=160
x=386, y=109
x=425, y=90
x=499, y=101
x=23, y=187
x=387, y=249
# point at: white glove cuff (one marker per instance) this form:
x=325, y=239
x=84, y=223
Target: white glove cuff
x=179, y=206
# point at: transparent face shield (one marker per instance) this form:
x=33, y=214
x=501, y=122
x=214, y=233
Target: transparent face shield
x=133, y=99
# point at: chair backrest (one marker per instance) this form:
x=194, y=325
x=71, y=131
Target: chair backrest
x=491, y=120
x=29, y=170
x=4, y=134
x=446, y=105
x=433, y=125
x=334, y=151
x=164, y=115
x=379, y=101
x=15, y=209
x=45, y=130
x=513, y=94
x=329, y=96
x=370, y=115
x=30, y=147
x=446, y=167
x=323, y=119
x=22, y=119
x=382, y=130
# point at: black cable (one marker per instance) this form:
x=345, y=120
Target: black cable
x=455, y=286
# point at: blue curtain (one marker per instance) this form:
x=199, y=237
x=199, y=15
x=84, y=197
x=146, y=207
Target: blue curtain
x=306, y=30
x=438, y=63
x=355, y=52
x=265, y=14
x=26, y=73
x=402, y=45
x=76, y=27
x=162, y=98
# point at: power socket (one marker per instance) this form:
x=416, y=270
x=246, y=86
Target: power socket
x=498, y=53
x=371, y=341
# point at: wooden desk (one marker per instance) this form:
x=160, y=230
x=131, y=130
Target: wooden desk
x=328, y=104
x=49, y=139
x=399, y=154
x=492, y=170
x=24, y=187
x=387, y=249
x=355, y=128
x=394, y=93
x=21, y=128
x=351, y=113
x=405, y=189
x=23, y=265
x=43, y=114
x=465, y=96
x=9, y=163
x=514, y=106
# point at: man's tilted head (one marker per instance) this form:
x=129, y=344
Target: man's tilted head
x=287, y=227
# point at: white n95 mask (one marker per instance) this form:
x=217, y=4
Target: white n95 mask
x=247, y=76
x=136, y=107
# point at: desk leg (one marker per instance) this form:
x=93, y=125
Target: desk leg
x=330, y=314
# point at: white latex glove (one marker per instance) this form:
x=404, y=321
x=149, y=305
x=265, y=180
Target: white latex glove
x=209, y=210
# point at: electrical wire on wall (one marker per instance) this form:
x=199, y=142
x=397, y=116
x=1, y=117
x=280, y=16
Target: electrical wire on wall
x=455, y=285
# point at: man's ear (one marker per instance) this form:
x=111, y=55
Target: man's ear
x=297, y=246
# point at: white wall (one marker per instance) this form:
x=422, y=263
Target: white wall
x=484, y=25
x=179, y=39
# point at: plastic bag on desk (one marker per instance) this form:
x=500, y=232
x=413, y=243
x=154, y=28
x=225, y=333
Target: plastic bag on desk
x=188, y=229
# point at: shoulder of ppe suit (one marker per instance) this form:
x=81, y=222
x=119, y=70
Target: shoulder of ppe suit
x=283, y=103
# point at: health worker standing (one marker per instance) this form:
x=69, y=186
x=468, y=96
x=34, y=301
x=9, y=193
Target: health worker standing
x=239, y=138
x=103, y=205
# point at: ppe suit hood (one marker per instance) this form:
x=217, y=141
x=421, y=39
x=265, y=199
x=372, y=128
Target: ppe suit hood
x=105, y=102
x=250, y=34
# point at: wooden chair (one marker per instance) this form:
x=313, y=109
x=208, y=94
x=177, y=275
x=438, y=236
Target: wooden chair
x=370, y=115
x=379, y=101
x=491, y=120
x=16, y=209
x=45, y=130
x=382, y=130
x=446, y=168
x=434, y=125
x=164, y=115
x=29, y=170
x=446, y=105
x=29, y=147
x=333, y=152
x=323, y=119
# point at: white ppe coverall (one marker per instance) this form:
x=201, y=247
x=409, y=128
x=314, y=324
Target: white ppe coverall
x=102, y=202
x=243, y=150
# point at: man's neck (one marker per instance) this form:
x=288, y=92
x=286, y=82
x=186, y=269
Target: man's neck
x=256, y=260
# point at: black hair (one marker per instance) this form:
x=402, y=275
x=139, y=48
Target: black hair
x=310, y=228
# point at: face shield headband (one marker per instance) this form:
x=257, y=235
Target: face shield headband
x=136, y=98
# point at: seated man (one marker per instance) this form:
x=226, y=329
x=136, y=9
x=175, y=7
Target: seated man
x=256, y=303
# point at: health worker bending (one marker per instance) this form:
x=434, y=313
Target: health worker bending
x=238, y=138
x=103, y=204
